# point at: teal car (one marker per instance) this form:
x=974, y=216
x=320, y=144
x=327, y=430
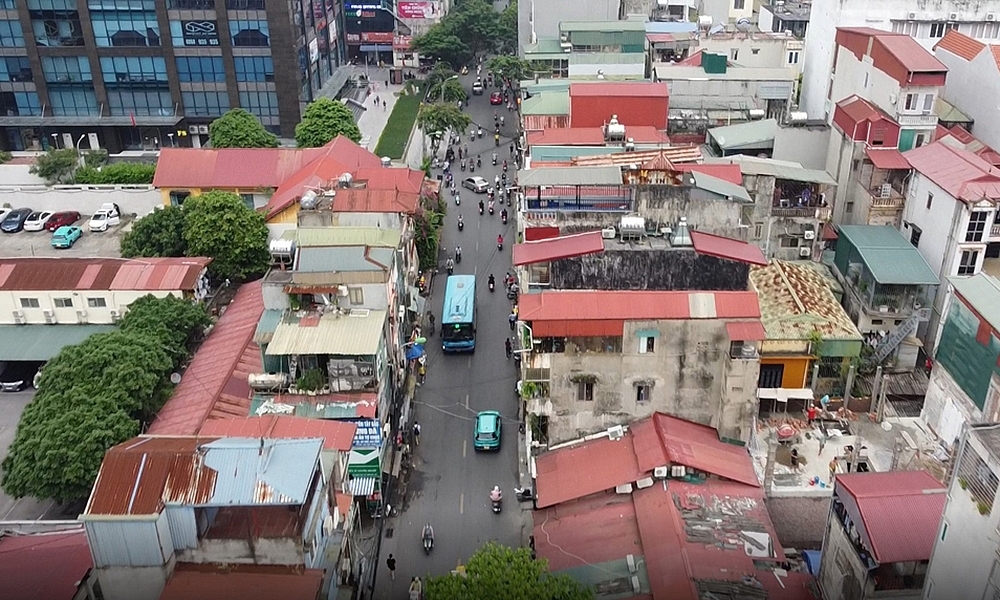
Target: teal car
x=65, y=236
x=487, y=433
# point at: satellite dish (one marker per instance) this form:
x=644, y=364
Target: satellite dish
x=175, y=378
x=743, y=23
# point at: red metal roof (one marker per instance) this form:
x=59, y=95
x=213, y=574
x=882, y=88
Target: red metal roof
x=887, y=158
x=960, y=45
x=594, y=136
x=659, y=38
x=901, y=511
x=727, y=172
x=43, y=566
x=215, y=383
x=242, y=582
x=730, y=249
x=138, y=274
x=745, y=331
x=588, y=468
x=230, y=168
x=567, y=246
x=896, y=54
x=910, y=54
x=662, y=440
x=375, y=201
x=860, y=109
x=959, y=172
x=338, y=435
x=599, y=528
x=632, y=89
x=533, y=234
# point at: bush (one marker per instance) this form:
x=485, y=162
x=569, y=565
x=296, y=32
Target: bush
x=123, y=173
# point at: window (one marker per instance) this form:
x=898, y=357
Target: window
x=984, y=31
x=937, y=30
x=921, y=139
x=877, y=321
x=356, y=295
x=910, y=28
x=879, y=131
x=192, y=4
x=134, y=71
x=11, y=35
x=849, y=207
x=930, y=199
x=928, y=103
x=147, y=102
x=910, y=102
x=646, y=344
x=72, y=102
x=642, y=392
x=944, y=531
x=52, y=4
x=177, y=197
x=262, y=104
x=71, y=92
x=915, y=236
x=13, y=104
x=250, y=33
x=125, y=28
x=793, y=57
x=245, y=4
x=539, y=273
x=254, y=68
x=63, y=302
x=248, y=200
x=758, y=230
x=734, y=54
x=585, y=391
x=15, y=68
x=121, y=4
x=788, y=241
x=977, y=225
x=29, y=303
x=967, y=265
x=205, y=104
x=66, y=69
x=57, y=28
x=97, y=303
x=200, y=69
x=739, y=4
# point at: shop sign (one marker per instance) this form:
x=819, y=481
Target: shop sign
x=200, y=33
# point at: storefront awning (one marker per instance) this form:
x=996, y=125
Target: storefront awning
x=362, y=486
x=42, y=342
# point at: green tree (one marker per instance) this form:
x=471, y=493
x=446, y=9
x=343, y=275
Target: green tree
x=5, y=157
x=172, y=320
x=122, y=173
x=240, y=129
x=477, y=25
x=323, y=121
x=497, y=572
x=219, y=225
x=442, y=43
x=56, y=166
x=508, y=43
x=511, y=69
x=452, y=91
x=427, y=236
x=434, y=118
x=160, y=233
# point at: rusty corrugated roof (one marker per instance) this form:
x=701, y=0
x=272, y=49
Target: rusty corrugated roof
x=70, y=273
x=242, y=582
x=796, y=300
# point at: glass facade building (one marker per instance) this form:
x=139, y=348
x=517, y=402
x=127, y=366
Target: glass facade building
x=141, y=74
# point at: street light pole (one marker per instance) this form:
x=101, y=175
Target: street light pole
x=444, y=82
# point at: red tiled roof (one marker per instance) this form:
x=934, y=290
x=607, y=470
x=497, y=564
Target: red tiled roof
x=68, y=273
x=887, y=158
x=730, y=172
x=567, y=246
x=960, y=134
x=242, y=582
x=901, y=512
x=961, y=173
x=600, y=312
x=215, y=383
x=746, y=331
x=960, y=45
x=139, y=475
x=727, y=248
x=659, y=38
x=910, y=54
x=375, y=201
x=662, y=440
x=860, y=109
x=588, y=468
x=996, y=54
x=830, y=232
x=338, y=435
x=230, y=168
x=633, y=89
x=43, y=566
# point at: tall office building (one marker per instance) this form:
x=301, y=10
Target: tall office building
x=129, y=74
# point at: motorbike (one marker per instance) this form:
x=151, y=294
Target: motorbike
x=463, y=165
x=479, y=162
x=458, y=199
x=492, y=284
x=461, y=224
x=512, y=292
x=472, y=167
x=428, y=537
x=496, y=139
x=491, y=209
x=504, y=166
x=450, y=266
x=458, y=255
x=480, y=132
x=503, y=217
x=496, y=507
x=500, y=243
x=480, y=207
x=494, y=159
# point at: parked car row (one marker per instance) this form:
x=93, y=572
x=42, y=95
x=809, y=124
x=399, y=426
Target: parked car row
x=65, y=233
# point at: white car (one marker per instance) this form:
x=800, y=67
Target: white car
x=4, y=212
x=36, y=221
x=108, y=216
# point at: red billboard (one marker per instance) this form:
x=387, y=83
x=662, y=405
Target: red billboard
x=375, y=37
x=417, y=10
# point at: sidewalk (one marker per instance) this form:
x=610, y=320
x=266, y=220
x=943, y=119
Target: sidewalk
x=373, y=121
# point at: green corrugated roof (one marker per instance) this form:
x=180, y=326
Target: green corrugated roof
x=547, y=46
x=607, y=58
x=981, y=292
x=548, y=103
x=42, y=342
x=345, y=236
x=888, y=255
x=331, y=410
x=568, y=26
x=754, y=134
x=947, y=112
x=266, y=325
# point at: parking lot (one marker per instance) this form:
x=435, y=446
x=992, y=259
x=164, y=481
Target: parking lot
x=38, y=243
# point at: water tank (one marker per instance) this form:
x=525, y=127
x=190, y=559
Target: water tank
x=632, y=227
x=798, y=117
x=282, y=251
x=614, y=131
x=268, y=381
x=704, y=22
x=308, y=200
x=757, y=114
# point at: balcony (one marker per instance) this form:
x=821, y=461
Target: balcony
x=590, y=198
x=995, y=230
x=900, y=576
x=797, y=199
x=916, y=120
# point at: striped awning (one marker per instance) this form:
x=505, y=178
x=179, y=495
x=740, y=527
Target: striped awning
x=362, y=486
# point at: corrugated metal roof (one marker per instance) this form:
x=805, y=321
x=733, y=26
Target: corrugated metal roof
x=230, y=168
x=268, y=322
x=900, y=512
x=890, y=257
x=44, y=566
x=593, y=136
x=216, y=379
x=375, y=201
x=70, y=273
x=336, y=435
x=731, y=173
x=42, y=342
x=723, y=247
x=323, y=406
x=730, y=191
x=887, y=158
x=981, y=292
x=676, y=154
x=910, y=54
x=242, y=582
x=780, y=169
x=753, y=134
x=745, y=331
x=858, y=109
x=346, y=236
x=588, y=468
x=607, y=89
x=667, y=72
x=329, y=259
x=568, y=26
x=546, y=103
x=959, y=172
x=261, y=471
x=796, y=300
x=558, y=248
x=330, y=333
x=570, y=176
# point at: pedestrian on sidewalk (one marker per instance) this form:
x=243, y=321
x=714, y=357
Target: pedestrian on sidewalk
x=416, y=433
x=512, y=319
x=507, y=348
x=391, y=563
x=421, y=374
x=821, y=438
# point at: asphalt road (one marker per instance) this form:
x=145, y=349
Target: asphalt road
x=450, y=482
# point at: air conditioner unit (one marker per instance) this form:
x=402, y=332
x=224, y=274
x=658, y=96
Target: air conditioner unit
x=892, y=99
x=81, y=316
x=884, y=190
x=809, y=234
x=952, y=16
x=636, y=586
x=616, y=433
x=911, y=16
x=203, y=129
x=608, y=233
x=660, y=472
x=19, y=317
x=193, y=130
x=644, y=483
x=678, y=471
x=805, y=251
x=991, y=16
x=625, y=488
x=630, y=561
x=116, y=316
x=50, y=317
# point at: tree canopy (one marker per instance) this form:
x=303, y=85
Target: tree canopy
x=452, y=91
x=510, y=68
x=497, y=572
x=218, y=224
x=434, y=118
x=160, y=233
x=470, y=28
x=56, y=166
x=240, y=129
x=97, y=394
x=122, y=173
x=323, y=121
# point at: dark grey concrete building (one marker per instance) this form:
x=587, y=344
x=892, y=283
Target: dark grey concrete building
x=131, y=74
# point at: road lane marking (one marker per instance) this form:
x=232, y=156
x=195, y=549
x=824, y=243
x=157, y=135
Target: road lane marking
x=466, y=401
x=465, y=445
x=461, y=504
